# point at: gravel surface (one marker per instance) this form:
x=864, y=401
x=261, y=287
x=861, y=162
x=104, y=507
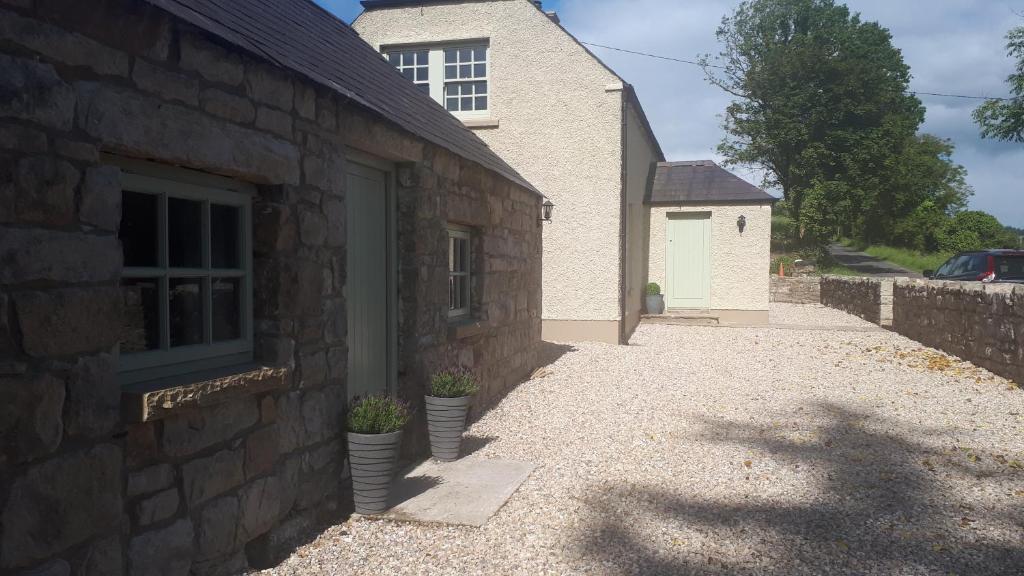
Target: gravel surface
x=702, y=450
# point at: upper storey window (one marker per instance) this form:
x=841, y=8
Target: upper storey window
x=414, y=65
x=456, y=76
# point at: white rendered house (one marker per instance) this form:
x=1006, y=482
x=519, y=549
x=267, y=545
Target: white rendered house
x=565, y=121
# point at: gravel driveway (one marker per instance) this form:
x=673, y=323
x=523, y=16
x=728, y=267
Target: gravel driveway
x=734, y=451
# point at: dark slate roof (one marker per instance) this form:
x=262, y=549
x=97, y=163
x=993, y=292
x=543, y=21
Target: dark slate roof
x=702, y=182
x=305, y=38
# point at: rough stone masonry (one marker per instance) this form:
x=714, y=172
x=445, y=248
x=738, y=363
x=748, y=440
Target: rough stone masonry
x=210, y=478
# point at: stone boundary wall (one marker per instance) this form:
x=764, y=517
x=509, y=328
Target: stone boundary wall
x=796, y=290
x=868, y=298
x=980, y=323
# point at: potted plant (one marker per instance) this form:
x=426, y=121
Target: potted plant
x=447, y=405
x=374, y=436
x=655, y=301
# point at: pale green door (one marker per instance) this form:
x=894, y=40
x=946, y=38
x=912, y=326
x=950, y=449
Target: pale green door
x=689, y=261
x=368, y=289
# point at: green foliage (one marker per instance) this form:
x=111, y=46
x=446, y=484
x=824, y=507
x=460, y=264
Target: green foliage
x=960, y=241
x=788, y=264
x=653, y=289
x=453, y=383
x=923, y=229
x=822, y=105
x=989, y=232
x=377, y=415
x=1004, y=119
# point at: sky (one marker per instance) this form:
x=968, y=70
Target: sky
x=952, y=46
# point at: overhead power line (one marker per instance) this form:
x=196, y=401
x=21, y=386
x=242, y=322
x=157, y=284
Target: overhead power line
x=695, y=63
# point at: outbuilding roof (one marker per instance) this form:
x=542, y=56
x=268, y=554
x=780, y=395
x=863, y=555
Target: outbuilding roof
x=305, y=38
x=702, y=182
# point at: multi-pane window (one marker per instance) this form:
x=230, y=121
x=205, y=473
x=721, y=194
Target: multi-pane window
x=414, y=65
x=455, y=76
x=459, y=272
x=187, y=277
x=465, y=79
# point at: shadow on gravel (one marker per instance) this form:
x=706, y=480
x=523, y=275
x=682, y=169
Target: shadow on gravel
x=882, y=506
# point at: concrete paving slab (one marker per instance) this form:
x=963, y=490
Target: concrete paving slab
x=466, y=492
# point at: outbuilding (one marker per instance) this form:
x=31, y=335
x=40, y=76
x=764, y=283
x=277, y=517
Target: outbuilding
x=710, y=241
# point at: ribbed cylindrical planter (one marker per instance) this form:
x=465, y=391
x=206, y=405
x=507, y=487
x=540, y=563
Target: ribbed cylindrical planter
x=373, y=458
x=446, y=421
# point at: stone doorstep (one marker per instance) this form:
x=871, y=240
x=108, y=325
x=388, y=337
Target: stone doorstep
x=159, y=399
x=467, y=492
x=683, y=318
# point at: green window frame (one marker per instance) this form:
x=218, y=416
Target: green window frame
x=180, y=310
x=460, y=272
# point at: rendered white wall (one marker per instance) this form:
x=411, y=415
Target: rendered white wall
x=560, y=127
x=739, y=262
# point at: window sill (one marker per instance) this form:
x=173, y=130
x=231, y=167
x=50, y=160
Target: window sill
x=478, y=123
x=460, y=329
x=149, y=401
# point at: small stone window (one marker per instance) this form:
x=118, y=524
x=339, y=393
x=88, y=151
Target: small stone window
x=187, y=279
x=460, y=277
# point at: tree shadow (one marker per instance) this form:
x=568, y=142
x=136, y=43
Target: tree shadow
x=882, y=504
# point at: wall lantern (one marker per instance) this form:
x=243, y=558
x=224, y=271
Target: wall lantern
x=547, y=208
x=741, y=223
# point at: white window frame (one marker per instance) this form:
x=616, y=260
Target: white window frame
x=456, y=232
x=164, y=362
x=417, y=65
x=436, y=76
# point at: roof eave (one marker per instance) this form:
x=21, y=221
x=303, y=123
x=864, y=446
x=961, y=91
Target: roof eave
x=749, y=201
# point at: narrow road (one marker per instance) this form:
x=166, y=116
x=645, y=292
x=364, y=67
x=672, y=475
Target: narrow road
x=866, y=264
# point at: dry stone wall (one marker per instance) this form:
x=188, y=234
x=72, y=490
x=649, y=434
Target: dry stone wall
x=981, y=323
x=796, y=290
x=868, y=298
x=97, y=481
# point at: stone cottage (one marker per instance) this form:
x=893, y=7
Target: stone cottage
x=219, y=221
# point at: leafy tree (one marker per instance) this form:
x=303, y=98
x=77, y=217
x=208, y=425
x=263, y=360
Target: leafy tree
x=1004, y=119
x=989, y=232
x=821, y=104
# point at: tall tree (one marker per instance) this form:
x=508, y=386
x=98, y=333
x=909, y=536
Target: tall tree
x=821, y=105
x=1004, y=119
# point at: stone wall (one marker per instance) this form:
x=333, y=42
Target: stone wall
x=796, y=290
x=205, y=478
x=981, y=323
x=869, y=298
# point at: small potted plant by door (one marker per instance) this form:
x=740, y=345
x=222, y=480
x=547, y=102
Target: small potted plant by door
x=374, y=436
x=655, y=301
x=447, y=406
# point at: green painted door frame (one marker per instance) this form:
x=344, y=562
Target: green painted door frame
x=688, y=260
x=371, y=292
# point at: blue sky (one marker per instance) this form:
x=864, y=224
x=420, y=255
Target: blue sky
x=952, y=46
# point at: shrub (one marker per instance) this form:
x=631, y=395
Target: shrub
x=961, y=241
x=377, y=415
x=453, y=383
x=653, y=289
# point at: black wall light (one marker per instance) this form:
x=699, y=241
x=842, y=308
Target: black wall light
x=546, y=209
x=741, y=223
